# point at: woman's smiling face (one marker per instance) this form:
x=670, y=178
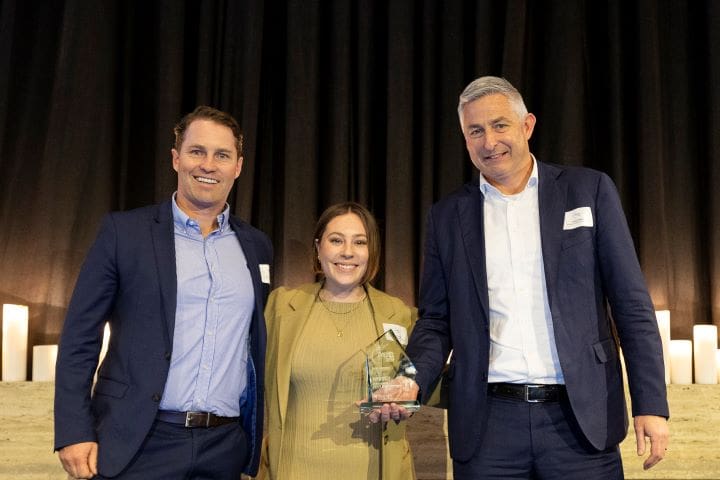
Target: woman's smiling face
x=343, y=252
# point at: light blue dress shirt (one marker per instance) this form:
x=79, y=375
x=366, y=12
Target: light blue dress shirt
x=215, y=303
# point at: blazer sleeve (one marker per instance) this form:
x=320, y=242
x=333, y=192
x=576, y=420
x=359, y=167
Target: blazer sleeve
x=81, y=339
x=430, y=341
x=630, y=304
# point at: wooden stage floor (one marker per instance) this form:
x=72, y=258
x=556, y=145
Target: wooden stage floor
x=694, y=453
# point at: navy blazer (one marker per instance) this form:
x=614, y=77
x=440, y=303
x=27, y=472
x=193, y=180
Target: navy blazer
x=129, y=279
x=591, y=272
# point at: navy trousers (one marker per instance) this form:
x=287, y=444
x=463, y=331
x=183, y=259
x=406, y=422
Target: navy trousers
x=174, y=452
x=536, y=441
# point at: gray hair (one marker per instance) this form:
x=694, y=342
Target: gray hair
x=483, y=86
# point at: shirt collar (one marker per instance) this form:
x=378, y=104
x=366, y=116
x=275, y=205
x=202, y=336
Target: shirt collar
x=486, y=187
x=184, y=222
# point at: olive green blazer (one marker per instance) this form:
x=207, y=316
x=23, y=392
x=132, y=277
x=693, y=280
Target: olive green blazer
x=286, y=313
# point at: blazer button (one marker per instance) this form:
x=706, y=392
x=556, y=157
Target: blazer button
x=167, y=356
x=156, y=397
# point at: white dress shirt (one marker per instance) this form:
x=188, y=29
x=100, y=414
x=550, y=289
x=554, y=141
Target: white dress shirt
x=522, y=343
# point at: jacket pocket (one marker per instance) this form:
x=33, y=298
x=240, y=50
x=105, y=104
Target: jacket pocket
x=576, y=236
x=109, y=387
x=604, y=350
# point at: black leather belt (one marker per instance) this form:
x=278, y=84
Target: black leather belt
x=194, y=419
x=528, y=393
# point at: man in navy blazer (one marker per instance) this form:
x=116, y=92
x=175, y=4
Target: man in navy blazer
x=183, y=286
x=531, y=279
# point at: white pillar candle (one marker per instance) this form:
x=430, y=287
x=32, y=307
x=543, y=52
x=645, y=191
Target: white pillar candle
x=704, y=348
x=43, y=366
x=681, y=361
x=663, y=319
x=14, y=343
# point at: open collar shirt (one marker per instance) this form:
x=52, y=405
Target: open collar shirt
x=215, y=303
x=522, y=342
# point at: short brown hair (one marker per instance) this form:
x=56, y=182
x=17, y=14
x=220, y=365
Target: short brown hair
x=371, y=229
x=203, y=112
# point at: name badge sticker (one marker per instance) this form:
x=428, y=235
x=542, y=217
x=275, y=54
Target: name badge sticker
x=399, y=331
x=264, y=273
x=579, y=217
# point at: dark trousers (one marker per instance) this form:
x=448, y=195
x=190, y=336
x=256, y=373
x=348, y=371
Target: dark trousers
x=172, y=451
x=538, y=441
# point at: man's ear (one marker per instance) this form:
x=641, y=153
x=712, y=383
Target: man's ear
x=175, y=159
x=238, y=167
x=529, y=125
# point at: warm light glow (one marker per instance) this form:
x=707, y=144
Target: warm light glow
x=681, y=361
x=43, y=366
x=106, y=342
x=663, y=319
x=104, y=348
x=704, y=353
x=14, y=343
x=623, y=367
x=717, y=363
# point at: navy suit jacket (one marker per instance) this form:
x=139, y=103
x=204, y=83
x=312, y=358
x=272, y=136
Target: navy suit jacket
x=591, y=272
x=129, y=279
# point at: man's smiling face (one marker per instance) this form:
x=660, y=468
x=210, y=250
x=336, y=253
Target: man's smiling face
x=207, y=166
x=497, y=140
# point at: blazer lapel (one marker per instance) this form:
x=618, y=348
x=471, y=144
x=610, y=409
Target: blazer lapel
x=470, y=213
x=248, y=247
x=551, y=200
x=289, y=324
x=163, y=238
x=383, y=310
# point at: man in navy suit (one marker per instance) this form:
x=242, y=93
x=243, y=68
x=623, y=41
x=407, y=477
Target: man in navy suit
x=183, y=286
x=531, y=279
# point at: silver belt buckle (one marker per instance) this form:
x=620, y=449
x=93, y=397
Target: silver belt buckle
x=527, y=394
x=192, y=417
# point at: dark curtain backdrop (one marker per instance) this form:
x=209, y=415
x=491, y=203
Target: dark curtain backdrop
x=352, y=99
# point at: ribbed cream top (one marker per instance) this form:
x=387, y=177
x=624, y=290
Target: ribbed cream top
x=325, y=435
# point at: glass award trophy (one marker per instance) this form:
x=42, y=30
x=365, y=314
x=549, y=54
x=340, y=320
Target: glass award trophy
x=389, y=374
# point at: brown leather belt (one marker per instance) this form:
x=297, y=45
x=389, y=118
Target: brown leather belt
x=528, y=393
x=194, y=419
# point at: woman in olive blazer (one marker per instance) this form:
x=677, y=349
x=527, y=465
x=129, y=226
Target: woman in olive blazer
x=347, y=247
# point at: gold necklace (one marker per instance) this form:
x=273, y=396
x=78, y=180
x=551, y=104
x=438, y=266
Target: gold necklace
x=341, y=310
